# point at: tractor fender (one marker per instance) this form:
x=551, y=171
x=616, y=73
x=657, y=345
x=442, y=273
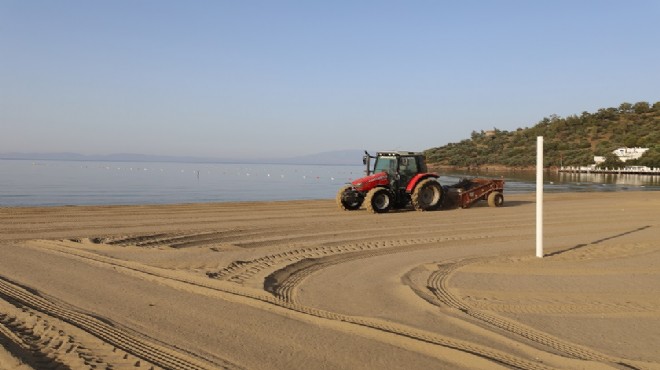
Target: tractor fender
x=416, y=180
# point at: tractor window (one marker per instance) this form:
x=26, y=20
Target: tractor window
x=385, y=164
x=408, y=166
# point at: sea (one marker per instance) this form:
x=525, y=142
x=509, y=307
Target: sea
x=55, y=183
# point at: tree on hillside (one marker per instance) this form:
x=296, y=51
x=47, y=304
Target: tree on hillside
x=571, y=141
x=650, y=158
x=611, y=161
x=642, y=107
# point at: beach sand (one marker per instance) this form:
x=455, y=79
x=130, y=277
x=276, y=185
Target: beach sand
x=303, y=285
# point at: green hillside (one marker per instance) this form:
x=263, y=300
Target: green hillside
x=571, y=141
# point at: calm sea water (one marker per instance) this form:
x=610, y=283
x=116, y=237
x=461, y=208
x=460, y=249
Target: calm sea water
x=49, y=183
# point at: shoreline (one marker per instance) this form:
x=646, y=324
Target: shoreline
x=551, y=169
x=517, y=192
x=487, y=168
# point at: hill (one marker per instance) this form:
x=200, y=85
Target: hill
x=569, y=141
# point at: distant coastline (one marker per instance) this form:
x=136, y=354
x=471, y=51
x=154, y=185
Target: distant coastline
x=635, y=170
x=487, y=168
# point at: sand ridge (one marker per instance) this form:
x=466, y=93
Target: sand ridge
x=289, y=284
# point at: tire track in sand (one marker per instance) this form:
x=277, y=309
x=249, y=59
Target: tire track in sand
x=53, y=348
x=283, y=284
x=399, y=330
x=241, y=271
x=438, y=284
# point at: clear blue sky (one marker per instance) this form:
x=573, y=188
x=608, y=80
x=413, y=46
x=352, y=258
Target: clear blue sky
x=282, y=78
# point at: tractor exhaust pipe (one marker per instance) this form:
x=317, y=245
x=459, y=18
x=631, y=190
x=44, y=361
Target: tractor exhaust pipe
x=366, y=160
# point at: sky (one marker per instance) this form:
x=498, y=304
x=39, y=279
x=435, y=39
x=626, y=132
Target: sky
x=286, y=78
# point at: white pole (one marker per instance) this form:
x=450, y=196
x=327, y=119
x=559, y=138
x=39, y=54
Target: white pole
x=539, y=196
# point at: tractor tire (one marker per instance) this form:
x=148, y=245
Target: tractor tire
x=348, y=199
x=378, y=200
x=427, y=195
x=495, y=199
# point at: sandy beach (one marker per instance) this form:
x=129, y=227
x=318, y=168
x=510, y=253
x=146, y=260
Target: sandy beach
x=303, y=285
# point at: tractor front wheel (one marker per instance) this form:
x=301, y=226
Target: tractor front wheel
x=349, y=199
x=427, y=195
x=378, y=200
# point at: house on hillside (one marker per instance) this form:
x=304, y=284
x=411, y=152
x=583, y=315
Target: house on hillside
x=624, y=154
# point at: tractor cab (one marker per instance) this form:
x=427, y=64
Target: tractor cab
x=401, y=167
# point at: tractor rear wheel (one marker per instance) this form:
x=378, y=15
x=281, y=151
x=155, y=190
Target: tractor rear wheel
x=378, y=200
x=495, y=199
x=427, y=195
x=348, y=199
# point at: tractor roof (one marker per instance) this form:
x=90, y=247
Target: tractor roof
x=399, y=152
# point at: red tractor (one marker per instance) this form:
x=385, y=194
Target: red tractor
x=397, y=179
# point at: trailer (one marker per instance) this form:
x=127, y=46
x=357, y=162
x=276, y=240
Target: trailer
x=469, y=191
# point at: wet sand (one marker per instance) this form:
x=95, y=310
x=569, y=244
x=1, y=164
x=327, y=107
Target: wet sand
x=300, y=285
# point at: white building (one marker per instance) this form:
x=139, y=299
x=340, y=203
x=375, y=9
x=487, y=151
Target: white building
x=624, y=154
